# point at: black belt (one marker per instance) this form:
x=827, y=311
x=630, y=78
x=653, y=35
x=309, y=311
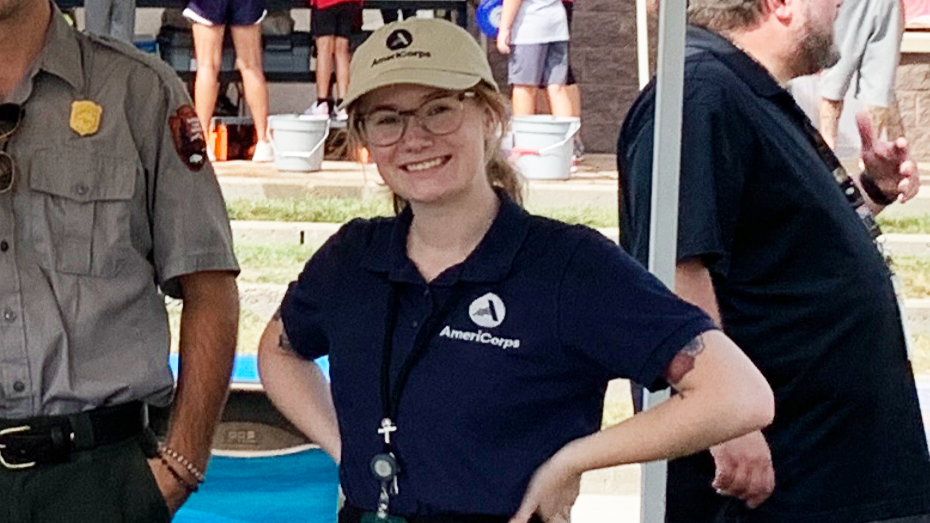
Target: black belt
x=28, y=442
x=350, y=514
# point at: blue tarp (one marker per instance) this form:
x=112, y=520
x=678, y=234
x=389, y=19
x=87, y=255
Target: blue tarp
x=295, y=488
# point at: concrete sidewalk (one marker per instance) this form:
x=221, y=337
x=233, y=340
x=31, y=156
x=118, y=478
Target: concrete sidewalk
x=594, y=184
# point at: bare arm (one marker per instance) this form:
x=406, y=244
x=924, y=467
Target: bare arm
x=298, y=389
x=209, y=323
x=509, y=12
x=743, y=465
x=721, y=396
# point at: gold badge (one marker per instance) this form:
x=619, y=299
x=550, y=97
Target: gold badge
x=85, y=117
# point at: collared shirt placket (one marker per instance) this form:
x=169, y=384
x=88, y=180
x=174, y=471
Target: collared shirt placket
x=15, y=382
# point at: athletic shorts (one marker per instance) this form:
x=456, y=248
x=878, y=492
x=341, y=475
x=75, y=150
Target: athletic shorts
x=868, y=35
x=538, y=64
x=338, y=20
x=225, y=12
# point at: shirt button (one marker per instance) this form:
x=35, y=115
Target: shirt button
x=4, y=246
x=415, y=324
x=9, y=315
x=426, y=292
x=81, y=189
x=19, y=386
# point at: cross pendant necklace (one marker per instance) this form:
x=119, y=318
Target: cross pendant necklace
x=387, y=427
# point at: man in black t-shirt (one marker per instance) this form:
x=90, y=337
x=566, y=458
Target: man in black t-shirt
x=776, y=251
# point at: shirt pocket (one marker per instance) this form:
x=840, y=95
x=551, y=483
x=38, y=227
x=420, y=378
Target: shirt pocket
x=83, y=209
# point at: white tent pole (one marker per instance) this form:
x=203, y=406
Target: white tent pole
x=663, y=230
x=642, y=43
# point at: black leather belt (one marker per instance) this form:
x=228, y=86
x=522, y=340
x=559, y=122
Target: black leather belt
x=350, y=514
x=28, y=442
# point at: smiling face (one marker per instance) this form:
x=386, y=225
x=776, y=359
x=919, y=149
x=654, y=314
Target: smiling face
x=425, y=168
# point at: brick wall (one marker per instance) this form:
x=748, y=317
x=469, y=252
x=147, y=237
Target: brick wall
x=913, y=88
x=603, y=56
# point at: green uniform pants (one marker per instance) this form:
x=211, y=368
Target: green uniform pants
x=109, y=484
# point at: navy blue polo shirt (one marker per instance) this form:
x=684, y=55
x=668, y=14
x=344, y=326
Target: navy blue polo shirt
x=802, y=290
x=544, y=315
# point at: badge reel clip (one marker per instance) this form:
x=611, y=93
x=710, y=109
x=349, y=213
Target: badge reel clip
x=385, y=468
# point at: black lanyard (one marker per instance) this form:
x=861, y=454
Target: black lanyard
x=847, y=186
x=390, y=397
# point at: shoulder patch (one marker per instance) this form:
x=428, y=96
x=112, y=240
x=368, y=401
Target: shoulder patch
x=188, y=137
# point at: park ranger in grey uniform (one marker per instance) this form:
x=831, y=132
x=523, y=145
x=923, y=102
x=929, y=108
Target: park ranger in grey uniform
x=106, y=200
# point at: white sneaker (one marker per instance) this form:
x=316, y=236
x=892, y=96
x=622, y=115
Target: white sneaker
x=342, y=115
x=264, y=152
x=318, y=109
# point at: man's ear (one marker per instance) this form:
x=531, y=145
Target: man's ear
x=783, y=10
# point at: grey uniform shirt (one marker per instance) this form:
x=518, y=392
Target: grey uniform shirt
x=96, y=227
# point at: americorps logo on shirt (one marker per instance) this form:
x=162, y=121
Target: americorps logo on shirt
x=488, y=311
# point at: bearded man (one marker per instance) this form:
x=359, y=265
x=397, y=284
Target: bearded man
x=775, y=242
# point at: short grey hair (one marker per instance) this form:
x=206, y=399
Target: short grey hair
x=725, y=16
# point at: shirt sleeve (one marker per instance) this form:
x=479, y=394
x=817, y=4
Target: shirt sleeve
x=617, y=320
x=714, y=151
x=304, y=307
x=190, y=226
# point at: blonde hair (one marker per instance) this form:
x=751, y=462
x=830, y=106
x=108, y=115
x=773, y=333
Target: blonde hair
x=500, y=172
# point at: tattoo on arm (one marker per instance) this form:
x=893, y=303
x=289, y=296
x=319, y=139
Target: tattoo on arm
x=683, y=362
x=283, y=340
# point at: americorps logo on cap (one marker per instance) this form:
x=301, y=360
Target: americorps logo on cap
x=487, y=311
x=399, y=39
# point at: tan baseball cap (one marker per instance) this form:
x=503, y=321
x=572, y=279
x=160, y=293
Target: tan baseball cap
x=422, y=51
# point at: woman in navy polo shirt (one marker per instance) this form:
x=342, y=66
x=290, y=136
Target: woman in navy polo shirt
x=470, y=343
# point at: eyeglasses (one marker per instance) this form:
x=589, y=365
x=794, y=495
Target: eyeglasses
x=10, y=117
x=440, y=116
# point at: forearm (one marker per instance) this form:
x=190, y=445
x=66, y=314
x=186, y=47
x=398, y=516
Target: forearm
x=298, y=390
x=209, y=323
x=724, y=397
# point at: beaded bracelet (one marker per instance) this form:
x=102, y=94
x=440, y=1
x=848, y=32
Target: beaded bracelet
x=177, y=477
x=173, y=454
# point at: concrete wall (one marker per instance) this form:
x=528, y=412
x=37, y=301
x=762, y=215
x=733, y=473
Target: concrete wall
x=913, y=87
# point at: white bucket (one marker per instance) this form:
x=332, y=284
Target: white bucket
x=298, y=141
x=541, y=145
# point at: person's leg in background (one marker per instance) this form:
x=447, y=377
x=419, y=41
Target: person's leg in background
x=852, y=33
x=325, y=46
x=247, y=40
x=574, y=93
x=123, y=20
x=348, y=15
x=208, y=50
x=525, y=73
x=97, y=16
x=555, y=76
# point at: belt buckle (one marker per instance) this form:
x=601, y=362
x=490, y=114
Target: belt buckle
x=3, y=461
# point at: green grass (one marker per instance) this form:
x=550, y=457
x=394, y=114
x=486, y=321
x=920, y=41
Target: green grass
x=273, y=263
x=339, y=210
x=905, y=224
